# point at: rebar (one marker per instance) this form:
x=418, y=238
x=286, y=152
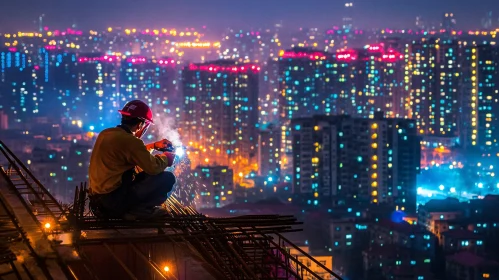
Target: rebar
x=243, y=247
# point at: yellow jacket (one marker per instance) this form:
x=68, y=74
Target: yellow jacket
x=116, y=151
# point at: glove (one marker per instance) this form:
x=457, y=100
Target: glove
x=170, y=157
x=162, y=144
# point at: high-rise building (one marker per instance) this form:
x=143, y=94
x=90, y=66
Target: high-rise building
x=254, y=46
x=268, y=99
x=98, y=95
x=303, y=90
x=150, y=80
x=378, y=80
x=59, y=86
x=480, y=100
x=153, y=81
x=19, y=99
x=269, y=148
x=220, y=113
x=219, y=186
x=434, y=87
x=341, y=160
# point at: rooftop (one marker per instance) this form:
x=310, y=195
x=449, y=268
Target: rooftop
x=470, y=259
x=403, y=226
x=461, y=234
x=443, y=205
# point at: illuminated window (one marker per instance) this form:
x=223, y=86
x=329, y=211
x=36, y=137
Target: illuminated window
x=486, y=275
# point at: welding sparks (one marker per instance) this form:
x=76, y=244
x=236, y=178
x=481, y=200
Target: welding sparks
x=188, y=187
x=179, y=152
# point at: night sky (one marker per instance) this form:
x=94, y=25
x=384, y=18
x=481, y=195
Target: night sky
x=217, y=14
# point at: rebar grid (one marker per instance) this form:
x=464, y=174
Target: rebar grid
x=245, y=247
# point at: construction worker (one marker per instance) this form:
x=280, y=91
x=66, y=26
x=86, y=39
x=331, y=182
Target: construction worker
x=126, y=180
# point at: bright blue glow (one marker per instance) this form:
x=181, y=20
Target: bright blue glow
x=441, y=187
x=270, y=179
x=179, y=151
x=480, y=185
x=397, y=216
x=92, y=127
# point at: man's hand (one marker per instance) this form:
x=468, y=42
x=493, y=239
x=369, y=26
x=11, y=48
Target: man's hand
x=162, y=144
x=170, y=157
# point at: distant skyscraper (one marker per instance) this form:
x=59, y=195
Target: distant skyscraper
x=19, y=99
x=221, y=113
x=219, y=186
x=269, y=150
x=303, y=78
x=420, y=23
x=480, y=118
x=250, y=45
x=153, y=81
x=340, y=160
x=449, y=22
x=488, y=21
x=268, y=99
x=434, y=84
x=98, y=84
x=378, y=80
x=348, y=16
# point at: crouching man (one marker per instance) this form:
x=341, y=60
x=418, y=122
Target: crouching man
x=126, y=180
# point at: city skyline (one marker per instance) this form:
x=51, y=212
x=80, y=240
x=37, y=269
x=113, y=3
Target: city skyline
x=376, y=123
x=221, y=14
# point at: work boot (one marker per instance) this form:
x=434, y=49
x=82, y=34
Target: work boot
x=145, y=214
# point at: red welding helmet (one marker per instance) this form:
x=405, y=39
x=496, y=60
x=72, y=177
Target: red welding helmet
x=137, y=109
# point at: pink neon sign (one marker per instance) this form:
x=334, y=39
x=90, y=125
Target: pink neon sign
x=217, y=68
x=309, y=55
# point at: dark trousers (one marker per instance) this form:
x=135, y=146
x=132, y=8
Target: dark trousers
x=146, y=191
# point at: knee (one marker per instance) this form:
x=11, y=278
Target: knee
x=168, y=178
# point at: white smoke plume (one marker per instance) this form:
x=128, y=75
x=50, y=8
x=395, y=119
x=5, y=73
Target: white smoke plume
x=165, y=127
